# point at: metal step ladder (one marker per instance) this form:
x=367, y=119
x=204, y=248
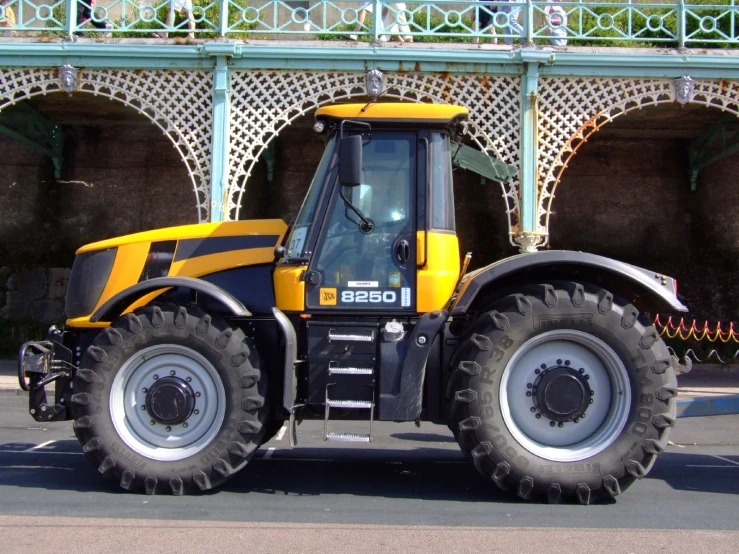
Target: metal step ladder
x=349, y=372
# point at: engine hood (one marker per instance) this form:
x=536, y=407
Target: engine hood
x=185, y=251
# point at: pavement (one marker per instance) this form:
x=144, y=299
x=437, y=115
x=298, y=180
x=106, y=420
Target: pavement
x=708, y=390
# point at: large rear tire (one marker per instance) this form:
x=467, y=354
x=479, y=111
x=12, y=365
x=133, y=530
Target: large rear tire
x=562, y=392
x=170, y=399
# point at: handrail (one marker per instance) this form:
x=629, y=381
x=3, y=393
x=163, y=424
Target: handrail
x=682, y=23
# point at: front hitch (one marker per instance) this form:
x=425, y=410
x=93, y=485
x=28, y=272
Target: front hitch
x=41, y=363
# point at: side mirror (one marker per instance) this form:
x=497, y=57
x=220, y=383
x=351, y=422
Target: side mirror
x=350, y=161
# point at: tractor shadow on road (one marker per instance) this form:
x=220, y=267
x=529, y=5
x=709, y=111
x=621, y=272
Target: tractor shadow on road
x=424, y=473
x=698, y=472
x=417, y=473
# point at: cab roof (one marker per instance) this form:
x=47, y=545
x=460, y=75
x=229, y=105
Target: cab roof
x=394, y=111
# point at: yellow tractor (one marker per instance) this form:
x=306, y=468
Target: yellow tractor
x=186, y=348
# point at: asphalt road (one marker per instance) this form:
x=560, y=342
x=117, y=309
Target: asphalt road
x=408, y=477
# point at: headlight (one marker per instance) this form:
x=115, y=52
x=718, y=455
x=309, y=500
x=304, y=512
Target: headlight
x=90, y=273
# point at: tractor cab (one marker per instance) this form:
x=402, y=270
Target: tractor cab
x=376, y=233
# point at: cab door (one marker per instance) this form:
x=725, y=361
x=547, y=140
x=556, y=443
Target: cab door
x=365, y=257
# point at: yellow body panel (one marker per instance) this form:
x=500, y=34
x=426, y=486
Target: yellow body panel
x=197, y=230
x=289, y=288
x=129, y=261
x=426, y=112
x=133, y=250
x=435, y=282
x=84, y=322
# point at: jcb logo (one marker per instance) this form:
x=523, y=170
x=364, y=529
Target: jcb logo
x=328, y=297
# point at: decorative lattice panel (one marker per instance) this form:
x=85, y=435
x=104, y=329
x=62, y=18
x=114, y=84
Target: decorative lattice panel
x=571, y=108
x=178, y=102
x=265, y=102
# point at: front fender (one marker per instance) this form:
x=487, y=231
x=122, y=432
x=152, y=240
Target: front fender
x=566, y=264
x=117, y=304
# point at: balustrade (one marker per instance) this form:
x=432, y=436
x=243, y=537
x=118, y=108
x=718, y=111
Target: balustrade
x=684, y=23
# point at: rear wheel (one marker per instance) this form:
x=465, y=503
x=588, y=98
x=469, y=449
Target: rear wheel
x=562, y=392
x=170, y=399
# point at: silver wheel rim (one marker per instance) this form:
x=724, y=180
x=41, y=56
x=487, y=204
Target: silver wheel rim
x=159, y=441
x=604, y=418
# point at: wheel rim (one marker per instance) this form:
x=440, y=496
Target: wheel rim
x=188, y=381
x=560, y=432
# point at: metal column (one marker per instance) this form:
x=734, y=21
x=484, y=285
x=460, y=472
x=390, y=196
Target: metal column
x=530, y=236
x=220, y=139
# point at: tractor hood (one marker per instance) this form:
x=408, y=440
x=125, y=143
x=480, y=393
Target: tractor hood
x=103, y=269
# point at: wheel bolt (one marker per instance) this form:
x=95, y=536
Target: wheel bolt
x=173, y=372
x=185, y=425
x=143, y=407
x=581, y=370
x=537, y=371
x=587, y=377
x=560, y=424
x=592, y=393
x=144, y=390
x=559, y=362
x=538, y=416
x=543, y=366
x=168, y=429
x=153, y=422
x=156, y=377
x=533, y=409
x=582, y=415
x=591, y=400
x=529, y=385
x=528, y=393
x=576, y=420
x=552, y=424
x=196, y=412
x=189, y=379
x=567, y=362
x=197, y=395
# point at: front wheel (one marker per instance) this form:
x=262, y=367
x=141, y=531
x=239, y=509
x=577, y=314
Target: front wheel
x=564, y=392
x=170, y=399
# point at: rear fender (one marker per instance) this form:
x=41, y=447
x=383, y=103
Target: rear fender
x=647, y=290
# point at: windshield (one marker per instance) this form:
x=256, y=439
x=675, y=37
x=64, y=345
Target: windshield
x=350, y=253
x=307, y=214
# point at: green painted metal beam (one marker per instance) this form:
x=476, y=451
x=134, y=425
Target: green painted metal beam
x=29, y=127
x=529, y=206
x=270, y=159
x=454, y=58
x=704, y=152
x=220, y=143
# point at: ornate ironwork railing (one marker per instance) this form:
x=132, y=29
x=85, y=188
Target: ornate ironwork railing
x=679, y=23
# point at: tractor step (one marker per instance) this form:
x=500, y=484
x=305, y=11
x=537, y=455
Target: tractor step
x=354, y=375
x=352, y=404
x=348, y=437
x=350, y=371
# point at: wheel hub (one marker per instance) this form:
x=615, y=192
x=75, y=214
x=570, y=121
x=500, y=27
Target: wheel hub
x=561, y=394
x=170, y=401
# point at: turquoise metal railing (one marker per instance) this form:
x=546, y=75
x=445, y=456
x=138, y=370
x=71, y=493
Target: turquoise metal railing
x=679, y=23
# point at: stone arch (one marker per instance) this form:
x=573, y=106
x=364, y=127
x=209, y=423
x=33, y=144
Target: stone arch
x=178, y=102
x=572, y=109
x=265, y=102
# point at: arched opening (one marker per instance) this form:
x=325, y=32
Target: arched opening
x=116, y=173
x=627, y=194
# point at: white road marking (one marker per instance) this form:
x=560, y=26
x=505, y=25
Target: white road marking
x=725, y=459
x=41, y=452
x=42, y=445
x=714, y=467
x=268, y=454
x=281, y=432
